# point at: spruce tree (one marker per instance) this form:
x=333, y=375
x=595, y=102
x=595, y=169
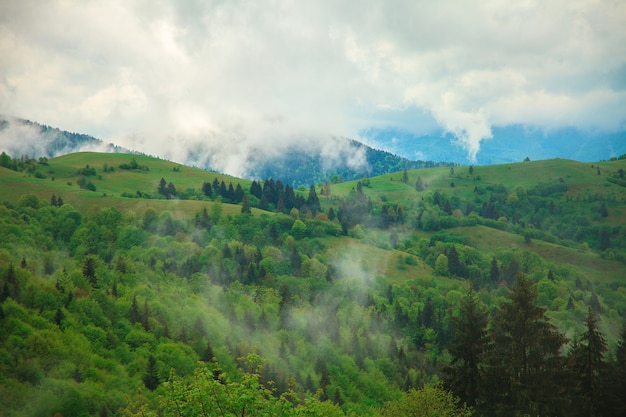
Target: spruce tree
x=313, y=201
x=151, y=379
x=419, y=185
x=467, y=347
x=524, y=365
x=134, y=315
x=618, y=382
x=454, y=263
x=587, y=363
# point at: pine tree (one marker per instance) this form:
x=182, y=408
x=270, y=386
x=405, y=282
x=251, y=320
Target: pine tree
x=454, y=263
x=618, y=382
x=405, y=176
x=151, y=379
x=419, y=185
x=134, y=315
x=587, y=363
x=171, y=190
x=208, y=354
x=494, y=272
x=467, y=347
x=524, y=366
x=89, y=270
x=162, y=187
x=245, y=205
x=313, y=201
x=145, y=316
x=207, y=190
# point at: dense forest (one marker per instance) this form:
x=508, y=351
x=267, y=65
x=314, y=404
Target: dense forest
x=297, y=167
x=164, y=290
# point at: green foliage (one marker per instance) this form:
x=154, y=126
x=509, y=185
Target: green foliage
x=426, y=402
x=89, y=291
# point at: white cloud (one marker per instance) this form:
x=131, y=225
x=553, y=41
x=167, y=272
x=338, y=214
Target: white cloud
x=243, y=76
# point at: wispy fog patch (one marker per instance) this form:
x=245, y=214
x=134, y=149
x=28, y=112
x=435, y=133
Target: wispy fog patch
x=19, y=138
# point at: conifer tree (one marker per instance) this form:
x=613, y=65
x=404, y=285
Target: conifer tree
x=494, y=272
x=313, y=201
x=467, y=348
x=454, y=263
x=134, y=315
x=208, y=354
x=162, y=187
x=151, y=379
x=618, y=382
x=419, y=185
x=524, y=366
x=587, y=363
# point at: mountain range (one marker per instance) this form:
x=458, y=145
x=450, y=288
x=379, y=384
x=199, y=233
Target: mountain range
x=508, y=144
x=385, y=151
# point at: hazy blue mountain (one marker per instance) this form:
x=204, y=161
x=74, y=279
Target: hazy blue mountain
x=301, y=167
x=509, y=144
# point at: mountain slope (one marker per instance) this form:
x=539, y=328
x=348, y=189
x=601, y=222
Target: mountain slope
x=107, y=298
x=342, y=158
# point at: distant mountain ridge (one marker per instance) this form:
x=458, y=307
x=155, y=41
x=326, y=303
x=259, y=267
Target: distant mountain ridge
x=21, y=137
x=508, y=144
x=298, y=167
x=295, y=166
x=386, y=151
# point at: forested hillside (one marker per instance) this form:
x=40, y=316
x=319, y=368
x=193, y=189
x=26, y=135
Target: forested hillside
x=136, y=286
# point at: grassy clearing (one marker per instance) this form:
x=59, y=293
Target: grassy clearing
x=583, y=179
x=491, y=241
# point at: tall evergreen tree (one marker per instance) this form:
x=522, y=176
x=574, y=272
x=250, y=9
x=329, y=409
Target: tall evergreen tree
x=151, y=378
x=419, y=184
x=454, y=263
x=467, y=348
x=162, y=187
x=207, y=190
x=524, y=365
x=245, y=205
x=494, y=272
x=618, y=383
x=313, y=201
x=587, y=363
x=134, y=315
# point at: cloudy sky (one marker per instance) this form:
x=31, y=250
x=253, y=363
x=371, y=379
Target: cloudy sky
x=162, y=76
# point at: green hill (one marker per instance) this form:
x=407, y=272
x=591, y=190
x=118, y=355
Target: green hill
x=129, y=283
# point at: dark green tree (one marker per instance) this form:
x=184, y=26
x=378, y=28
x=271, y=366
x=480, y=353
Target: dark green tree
x=313, y=201
x=463, y=375
x=162, y=187
x=208, y=354
x=419, y=185
x=524, y=365
x=151, y=378
x=454, y=263
x=618, y=381
x=171, y=191
x=134, y=315
x=207, y=190
x=89, y=270
x=245, y=205
x=587, y=362
x=405, y=176
x=604, y=212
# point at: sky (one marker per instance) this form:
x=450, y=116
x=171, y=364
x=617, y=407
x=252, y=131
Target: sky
x=234, y=79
